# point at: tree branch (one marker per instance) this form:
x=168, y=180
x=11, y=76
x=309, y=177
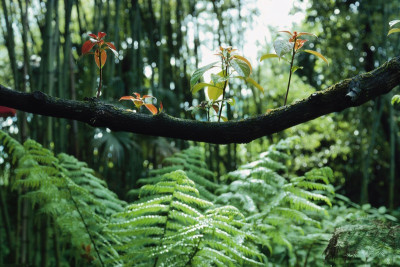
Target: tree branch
x=348, y=93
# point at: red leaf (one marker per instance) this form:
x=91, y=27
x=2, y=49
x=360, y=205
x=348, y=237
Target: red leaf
x=147, y=96
x=7, y=112
x=128, y=97
x=137, y=95
x=216, y=108
x=151, y=108
x=112, y=48
x=86, y=47
x=299, y=44
x=288, y=32
x=93, y=35
x=100, y=35
x=161, y=107
x=103, y=58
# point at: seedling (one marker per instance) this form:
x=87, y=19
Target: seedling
x=139, y=101
x=100, y=55
x=230, y=66
x=293, y=45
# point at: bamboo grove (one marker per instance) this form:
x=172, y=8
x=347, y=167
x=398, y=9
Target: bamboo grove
x=321, y=192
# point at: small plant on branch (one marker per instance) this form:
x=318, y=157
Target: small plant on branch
x=393, y=30
x=100, y=54
x=139, y=101
x=231, y=66
x=293, y=45
x=395, y=98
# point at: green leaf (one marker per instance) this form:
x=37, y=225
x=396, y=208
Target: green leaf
x=199, y=72
x=266, y=56
x=294, y=68
x=231, y=101
x=245, y=60
x=396, y=101
x=199, y=86
x=224, y=118
x=315, y=53
x=394, y=30
x=241, y=67
x=214, y=92
x=253, y=82
x=282, y=46
x=394, y=22
x=218, y=78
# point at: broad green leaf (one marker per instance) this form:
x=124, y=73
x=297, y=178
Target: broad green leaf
x=394, y=30
x=199, y=72
x=294, y=68
x=218, y=78
x=253, y=82
x=241, y=67
x=315, y=53
x=224, y=118
x=268, y=56
x=245, y=60
x=396, y=101
x=394, y=22
x=282, y=46
x=199, y=86
x=231, y=101
x=214, y=92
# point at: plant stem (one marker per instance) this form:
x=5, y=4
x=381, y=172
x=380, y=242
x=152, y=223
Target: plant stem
x=101, y=76
x=86, y=227
x=290, y=73
x=223, y=93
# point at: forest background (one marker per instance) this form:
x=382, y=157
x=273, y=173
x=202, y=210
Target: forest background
x=160, y=44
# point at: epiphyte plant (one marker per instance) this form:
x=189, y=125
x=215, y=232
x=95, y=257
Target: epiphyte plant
x=395, y=98
x=293, y=45
x=139, y=101
x=231, y=66
x=393, y=30
x=100, y=54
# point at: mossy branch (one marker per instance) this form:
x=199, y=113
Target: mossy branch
x=347, y=93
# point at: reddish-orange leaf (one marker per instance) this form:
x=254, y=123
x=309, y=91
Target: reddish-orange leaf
x=306, y=33
x=103, y=58
x=147, y=96
x=138, y=103
x=110, y=45
x=128, y=97
x=288, y=32
x=93, y=35
x=161, y=107
x=216, y=108
x=112, y=48
x=86, y=47
x=299, y=44
x=137, y=95
x=151, y=108
x=101, y=35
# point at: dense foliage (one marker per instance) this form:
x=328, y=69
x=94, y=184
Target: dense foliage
x=320, y=193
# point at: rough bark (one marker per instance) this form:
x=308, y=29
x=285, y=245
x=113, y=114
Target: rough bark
x=347, y=93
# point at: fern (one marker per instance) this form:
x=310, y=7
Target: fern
x=279, y=208
x=192, y=162
x=173, y=226
x=78, y=209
